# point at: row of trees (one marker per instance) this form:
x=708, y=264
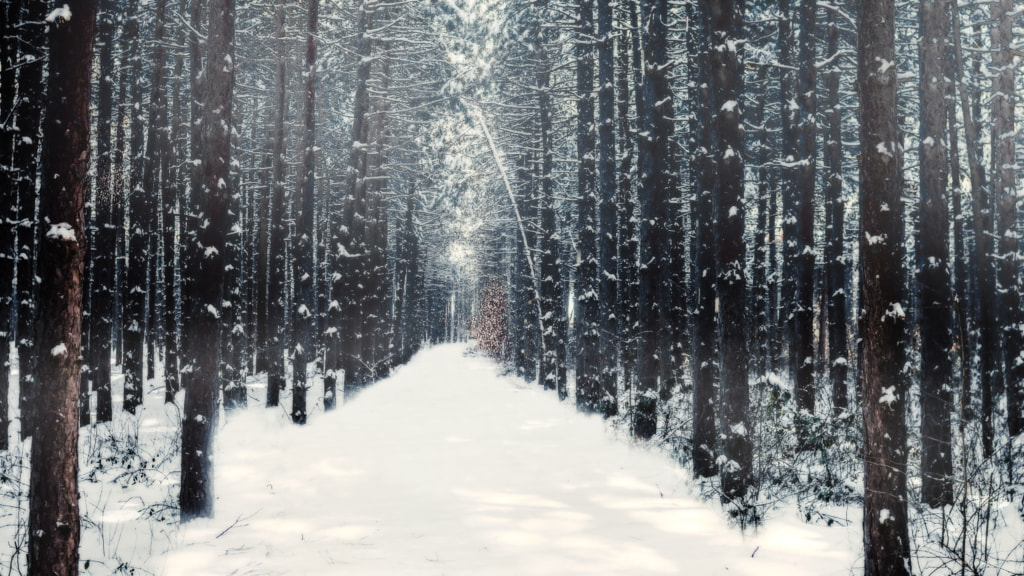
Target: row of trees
x=602, y=177
x=201, y=226
x=684, y=233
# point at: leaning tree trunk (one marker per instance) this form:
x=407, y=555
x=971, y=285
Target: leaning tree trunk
x=886, y=537
x=199, y=419
x=53, y=522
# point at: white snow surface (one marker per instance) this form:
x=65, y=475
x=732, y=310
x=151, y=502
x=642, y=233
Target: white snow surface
x=450, y=468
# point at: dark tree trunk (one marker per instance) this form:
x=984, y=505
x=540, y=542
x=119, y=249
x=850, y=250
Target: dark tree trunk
x=835, y=229
x=276, y=287
x=352, y=341
x=304, y=304
x=789, y=151
x=192, y=204
x=588, y=392
x=726, y=26
x=154, y=180
x=134, y=292
x=1004, y=191
x=105, y=240
x=933, y=277
x=705, y=336
x=199, y=420
x=886, y=537
x=553, y=319
x=173, y=200
x=961, y=256
x=9, y=14
x=656, y=128
x=32, y=95
x=628, y=273
x=608, y=280
x=985, y=273
x=759, y=306
x=803, y=180
x=53, y=523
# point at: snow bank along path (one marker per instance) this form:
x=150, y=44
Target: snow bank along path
x=449, y=468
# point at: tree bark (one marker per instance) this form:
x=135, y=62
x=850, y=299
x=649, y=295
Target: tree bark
x=608, y=279
x=934, y=281
x=886, y=537
x=276, y=287
x=53, y=524
x=199, y=420
x=304, y=305
x=705, y=322
x=588, y=302
x=726, y=24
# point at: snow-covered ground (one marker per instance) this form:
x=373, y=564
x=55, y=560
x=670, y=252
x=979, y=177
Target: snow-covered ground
x=450, y=468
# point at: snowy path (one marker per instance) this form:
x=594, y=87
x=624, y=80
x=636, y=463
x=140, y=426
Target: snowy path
x=449, y=468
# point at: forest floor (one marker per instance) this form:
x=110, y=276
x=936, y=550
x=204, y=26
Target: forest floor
x=449, y=468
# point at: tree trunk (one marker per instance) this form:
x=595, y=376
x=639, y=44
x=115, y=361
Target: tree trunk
x=134, y=292
x=199, y=420
x=32, y=92
x=9, y=13
x=588, y=392
x=304, y=305
x=705, y=336
x=608, y=279
x=53, y=523
x=655, y=179
x=934, y=282
x=726, y=26
x=1004, y=191
x=803, y=181
x=276, y=287
x=886, y=537
x=835, y=261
